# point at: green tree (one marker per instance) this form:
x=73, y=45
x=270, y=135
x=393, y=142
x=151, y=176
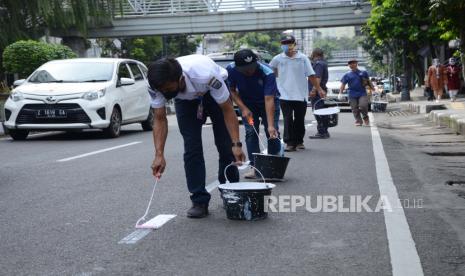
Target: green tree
x=328, y=45
x=24, y=56
x=450, y=16
x=402, y=23
x=30, y=19
x=269, y=41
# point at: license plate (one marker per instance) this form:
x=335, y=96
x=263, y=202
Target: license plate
x=51, y=113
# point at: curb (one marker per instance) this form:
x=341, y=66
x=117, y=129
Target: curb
x=448, y=118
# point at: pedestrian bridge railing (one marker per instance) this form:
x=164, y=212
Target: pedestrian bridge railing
x=131, y=8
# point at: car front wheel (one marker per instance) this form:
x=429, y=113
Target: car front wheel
x=147, y=125
x=18, y=134
x=114, y=129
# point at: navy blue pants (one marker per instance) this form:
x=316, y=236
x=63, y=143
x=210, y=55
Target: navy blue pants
x=191, y=131
x=259, y=112
x=322, y=121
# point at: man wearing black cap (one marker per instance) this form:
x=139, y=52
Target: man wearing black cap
x=253, y=88
x=358, y=98
x=292, y=70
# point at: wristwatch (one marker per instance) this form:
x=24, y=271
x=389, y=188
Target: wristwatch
x=238, y=144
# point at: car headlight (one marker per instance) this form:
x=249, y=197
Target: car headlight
x=93, y=95
x=16, y=96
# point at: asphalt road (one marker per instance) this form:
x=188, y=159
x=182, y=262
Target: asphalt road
x=63, y=212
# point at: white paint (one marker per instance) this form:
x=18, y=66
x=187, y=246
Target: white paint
x=156, y=222
x=402, y=250
x=98, y=151
x=244, y=186
x=135, y=236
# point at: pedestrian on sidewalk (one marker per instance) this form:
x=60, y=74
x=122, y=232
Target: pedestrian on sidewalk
x=292, y=70
x=317, y=99
x=453, y=79
x=358, y=81
x=197, y=84
x=437, y=78
x=253, y=88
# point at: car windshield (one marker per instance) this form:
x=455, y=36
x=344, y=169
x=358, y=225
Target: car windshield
x=223, y=63
x=73, y=72
x=334, y=75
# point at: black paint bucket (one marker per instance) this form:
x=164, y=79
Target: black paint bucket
x=378, y=106
x=272, y=167
x=245, y=200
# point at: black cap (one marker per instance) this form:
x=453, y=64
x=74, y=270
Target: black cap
x=288, y=39
x=245, y=57
x=352, y=61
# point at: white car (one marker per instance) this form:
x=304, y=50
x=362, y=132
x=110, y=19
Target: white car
x=83, y=93
x=335, y=74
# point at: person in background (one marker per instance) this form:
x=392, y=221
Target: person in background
x=321, y=73
x=453, y=79
x=292, y=70
x=197, y=84
x=437, y=78
x=253, y=88
x=358, y=98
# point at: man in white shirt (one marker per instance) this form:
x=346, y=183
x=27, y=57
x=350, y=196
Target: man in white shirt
x=292, y=70
x=197, y=84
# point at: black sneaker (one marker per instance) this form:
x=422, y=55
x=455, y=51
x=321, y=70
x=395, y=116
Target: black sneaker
x=198, y=211
x=319, y=136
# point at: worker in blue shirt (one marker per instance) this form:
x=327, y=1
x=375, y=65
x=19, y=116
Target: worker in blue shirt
x=358, y=98
x=321, y=74
x=254, y=90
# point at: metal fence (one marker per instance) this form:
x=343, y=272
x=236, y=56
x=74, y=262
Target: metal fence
x=166, y=7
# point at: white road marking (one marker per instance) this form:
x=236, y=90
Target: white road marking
x=404, y=256
x=98, y=151
x=139, y=234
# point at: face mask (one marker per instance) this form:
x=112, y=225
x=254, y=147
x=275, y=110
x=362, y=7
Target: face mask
x=452, y=61
x=169, y=95
x=436, y=62
x=172, y=94
x=285, y=48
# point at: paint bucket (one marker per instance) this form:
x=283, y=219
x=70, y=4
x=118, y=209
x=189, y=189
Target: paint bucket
x=272, y=167
x=331, y=114
x=245, y=200
x=379, y=106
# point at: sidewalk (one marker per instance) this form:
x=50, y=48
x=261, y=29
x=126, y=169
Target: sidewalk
x=443, y=114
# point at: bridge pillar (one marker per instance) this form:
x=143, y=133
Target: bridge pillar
x=78, y=44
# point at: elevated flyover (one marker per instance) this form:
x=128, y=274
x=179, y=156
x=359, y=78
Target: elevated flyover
x=166, y=17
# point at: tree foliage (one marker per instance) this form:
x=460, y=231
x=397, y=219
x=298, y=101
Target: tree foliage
x=269, y=41
x=24, y=56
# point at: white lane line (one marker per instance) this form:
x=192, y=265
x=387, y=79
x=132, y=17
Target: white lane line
x=402, y=250
x=98, y=151
x=139, y=234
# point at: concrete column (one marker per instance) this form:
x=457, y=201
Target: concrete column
x=77, y=44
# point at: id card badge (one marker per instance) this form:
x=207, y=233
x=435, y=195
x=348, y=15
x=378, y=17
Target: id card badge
x=200, y=110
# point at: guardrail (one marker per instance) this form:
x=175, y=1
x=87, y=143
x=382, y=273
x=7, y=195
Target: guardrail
x=165, y=7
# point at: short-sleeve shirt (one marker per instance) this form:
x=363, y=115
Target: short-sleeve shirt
x=292, y=76
x=253, y=89
x=321, y=71
x=354, y=79
x=202, y=75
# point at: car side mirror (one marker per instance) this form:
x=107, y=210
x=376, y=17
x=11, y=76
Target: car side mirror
x=18, y=82
x=126, y=81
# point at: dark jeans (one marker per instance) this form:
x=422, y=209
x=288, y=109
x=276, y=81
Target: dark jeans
x=191, y=131
x=259, y=112
x=323, y=121
x=294, y=121
x=359, y=105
